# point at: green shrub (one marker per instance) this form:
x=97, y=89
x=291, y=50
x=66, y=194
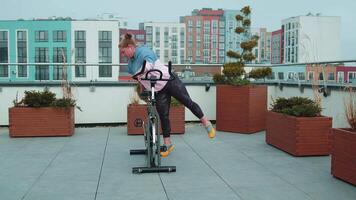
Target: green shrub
x=39, y=99
x=239, y=18
x=65, y=103
x=44, y=98
x=175, y=102
x=247, y=22
x=296, y=106
x=260, y=73
x=219, y=79
x=246, y=10
x=239, y=30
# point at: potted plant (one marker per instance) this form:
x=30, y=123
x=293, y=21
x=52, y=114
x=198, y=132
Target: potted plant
x=241, y=106
x=295, y=125
x=343, y=155
x=39, y=113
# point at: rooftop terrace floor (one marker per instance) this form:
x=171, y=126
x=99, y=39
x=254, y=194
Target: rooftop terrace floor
x=95, y=164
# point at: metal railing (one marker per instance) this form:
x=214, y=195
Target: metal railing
x=196, y=73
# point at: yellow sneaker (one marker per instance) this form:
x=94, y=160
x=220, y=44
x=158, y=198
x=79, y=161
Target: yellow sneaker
x=211, y=133
x=167, y=150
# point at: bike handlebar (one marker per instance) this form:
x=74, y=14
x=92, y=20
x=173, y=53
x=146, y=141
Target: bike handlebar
x=154, y=78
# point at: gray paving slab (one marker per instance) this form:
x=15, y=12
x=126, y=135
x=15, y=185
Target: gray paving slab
x=95, y=164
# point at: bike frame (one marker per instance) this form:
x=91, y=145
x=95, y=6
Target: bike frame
x=151, y=135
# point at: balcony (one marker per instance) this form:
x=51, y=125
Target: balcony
x=95, y=163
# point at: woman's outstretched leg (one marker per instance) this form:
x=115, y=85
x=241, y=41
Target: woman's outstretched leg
x=178, y=90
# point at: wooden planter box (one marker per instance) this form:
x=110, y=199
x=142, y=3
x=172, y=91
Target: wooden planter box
x=137, y=114
x=299, y=136
x=34, y=122
x=343, y=160
x=241, y=109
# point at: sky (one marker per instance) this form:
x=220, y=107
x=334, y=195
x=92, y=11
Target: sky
x=265, y=13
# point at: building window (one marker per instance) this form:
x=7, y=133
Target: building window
x=21, y=53
x=310, y=76
x=4, y=54
x=59, y=54
x=59, y=73
x=331, y=76
x=149, y=29
x=80, y=36
x=301, y=76
x=105, y=53
x=80, y=53
x=352, y=76
x=41, y=56
x=321, y=76
x=41, y=36
x=59, y=36
x=105, y=36
x=280, y=75
x=198, y=23
x=140, y=37
x=272, y=76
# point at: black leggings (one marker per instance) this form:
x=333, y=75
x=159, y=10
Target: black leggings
x=177, y=90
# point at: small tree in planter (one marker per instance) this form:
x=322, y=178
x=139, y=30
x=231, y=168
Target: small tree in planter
x=343, y=161
x=41, y=114
x=241, y=107
x=295, y=125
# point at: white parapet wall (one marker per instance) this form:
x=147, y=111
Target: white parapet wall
x=104, y=104
x=108, y=104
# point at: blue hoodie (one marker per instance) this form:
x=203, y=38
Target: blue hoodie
x=141, y=53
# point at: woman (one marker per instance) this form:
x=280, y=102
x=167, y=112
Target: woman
x=164, y=89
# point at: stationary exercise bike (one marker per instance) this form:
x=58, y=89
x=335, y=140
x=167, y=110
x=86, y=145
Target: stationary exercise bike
x=152, y=126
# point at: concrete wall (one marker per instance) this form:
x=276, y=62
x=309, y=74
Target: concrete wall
x=107, y=104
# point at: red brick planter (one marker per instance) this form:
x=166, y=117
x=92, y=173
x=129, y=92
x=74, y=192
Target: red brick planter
x=137, y=114
x=177, y=118
x=343, y=160
x=299, y=136
x=241, y=109
x=33, y=122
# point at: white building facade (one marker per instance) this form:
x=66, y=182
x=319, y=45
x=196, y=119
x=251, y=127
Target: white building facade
x=312, y=38
x=95, y=42
x=167, y=40
x=263, y=49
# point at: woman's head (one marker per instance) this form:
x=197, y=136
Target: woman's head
x=127, y=40
x=127, y=45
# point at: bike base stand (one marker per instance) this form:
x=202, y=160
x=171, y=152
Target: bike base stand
x=168, y=169
x=142, y=151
